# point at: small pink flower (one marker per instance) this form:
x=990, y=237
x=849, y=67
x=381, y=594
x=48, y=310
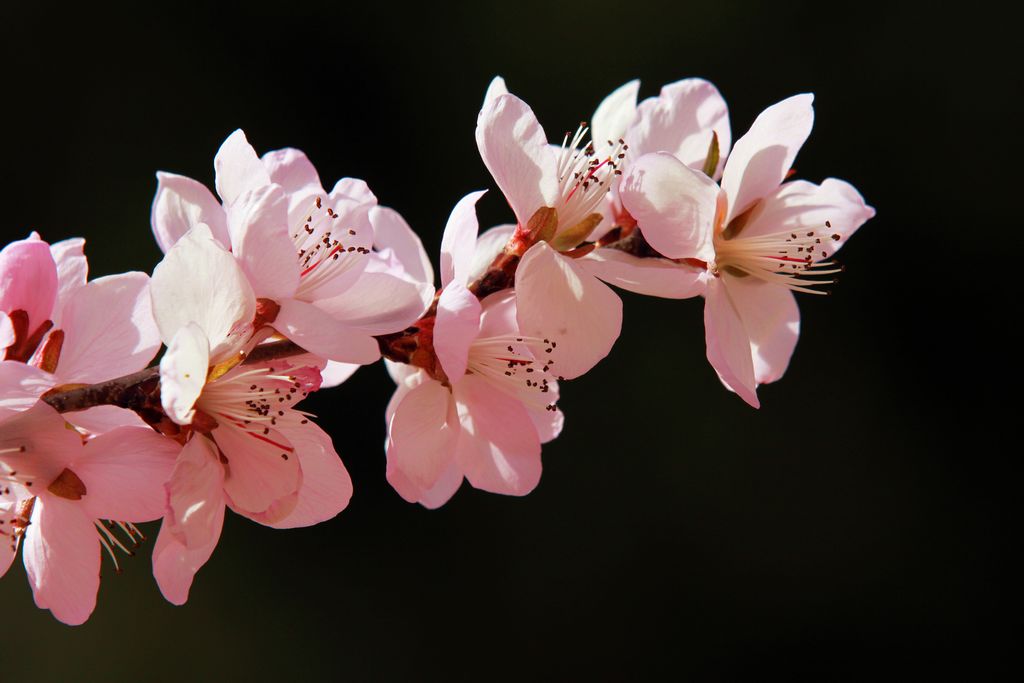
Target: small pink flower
x=249, y=448
x=307, y=250
x=489, y=402
x=68, y=499
x=757, y=239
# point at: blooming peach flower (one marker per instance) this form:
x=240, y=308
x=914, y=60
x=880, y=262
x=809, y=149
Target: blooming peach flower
x=68, y=498
x=757, y=239
x=78, y=332
x=306, y=250
x=485, y=407
x=249, y=448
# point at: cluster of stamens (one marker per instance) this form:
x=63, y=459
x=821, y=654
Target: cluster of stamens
x=321, y=254
x=510, y=362
x=585, y=176
x=108, y=539
x=785, y=258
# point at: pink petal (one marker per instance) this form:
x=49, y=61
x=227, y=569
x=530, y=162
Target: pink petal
x=488, y=246
x=102, y=419
x=799, y=205
x=761, y=159
x=459, y=240
x=499, y=315
x=673, y=205
x=680, y=121
x=292, y=170
x=181, y=204
x=7, y=335
x=560, y=301
x=772, y=321
x=728, y=344
x=614, y=114
x=336, y=373
x=238, y=168
x=318, y=332
x=456, y=327
x=421, y=440
x=390, y=231
x=260, y=469
x=37, y=445
x=62, y=558
x=8, y=539
x=379, y=303
x=183, y=371
x=108, y=330
x=498, y=449
x=199, y=282
x=175, y=564
x=433, y=497
x=650, y=276
x=258, y=224
x=72, y=271
x=28, y=280
x=22, y=386
x=352, y=193
x=195, y=496
x=516, y=152
x=495, y=88
x=124, y=472
x=326, y=486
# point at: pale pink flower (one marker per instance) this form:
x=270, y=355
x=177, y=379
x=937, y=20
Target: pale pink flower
x=485, y=407
x=250, y=449
x=308, y=251
x=78, y=332
x=69, y=499
x=757, y=239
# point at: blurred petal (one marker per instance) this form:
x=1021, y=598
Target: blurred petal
x=673, y=205
x=761, y=159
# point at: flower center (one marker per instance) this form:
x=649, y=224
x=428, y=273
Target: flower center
x=517, y=365
x=585, y=175
x=321, y=248
x=788, y=259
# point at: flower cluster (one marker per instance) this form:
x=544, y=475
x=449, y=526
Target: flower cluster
x=275, y=287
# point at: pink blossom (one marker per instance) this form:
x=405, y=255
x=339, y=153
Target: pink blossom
x=249, y=449
x=78, y=332
x=308, y=251
x=68, y=499
x=485, y=407
x=757, y=239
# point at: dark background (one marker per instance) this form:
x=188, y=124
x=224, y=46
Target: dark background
x=856, y=527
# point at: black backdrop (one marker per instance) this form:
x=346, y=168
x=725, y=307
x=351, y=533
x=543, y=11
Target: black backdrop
x=855, y=527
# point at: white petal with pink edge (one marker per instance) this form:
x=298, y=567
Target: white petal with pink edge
x=515, y=150
x=459, y=240
x=557, y=299
x=764, y=156
x=183, y=370
x=238, y=168
x=673, y=205
x=181, y=204
x=615, y=113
